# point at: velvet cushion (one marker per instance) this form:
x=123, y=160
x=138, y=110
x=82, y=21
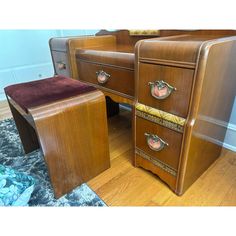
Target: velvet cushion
x=40, y=92
x=15, y=187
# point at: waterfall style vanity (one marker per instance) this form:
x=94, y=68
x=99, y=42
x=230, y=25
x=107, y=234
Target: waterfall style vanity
x=181, y=86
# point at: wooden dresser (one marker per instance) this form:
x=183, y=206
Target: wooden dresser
x=185, y=88
x=181, y=88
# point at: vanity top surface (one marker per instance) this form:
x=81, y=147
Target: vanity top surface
x=117, y=55
x=112, y=48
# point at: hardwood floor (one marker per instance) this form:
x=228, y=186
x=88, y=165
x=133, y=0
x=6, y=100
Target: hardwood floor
x=125, y=185
x=4, y=110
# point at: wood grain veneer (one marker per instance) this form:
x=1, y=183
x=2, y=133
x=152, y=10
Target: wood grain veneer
x=212, y=101
x=72, y=134
x=118, y=77
x=180, y=78
x=169, y=154
x=211, y=91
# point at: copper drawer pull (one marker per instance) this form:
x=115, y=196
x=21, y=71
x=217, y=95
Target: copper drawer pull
x=102, y=77
x=160, y=89
x=61, y=65
x=154, y=142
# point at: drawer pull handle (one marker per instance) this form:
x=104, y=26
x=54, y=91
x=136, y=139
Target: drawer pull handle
x=160, y=89
x=61, y=65
x=154, y=142
x=102, y=76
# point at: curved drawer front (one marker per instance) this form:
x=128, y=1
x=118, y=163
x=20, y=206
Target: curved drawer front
x=114, y=78
x=165, y=88
x=158, y=142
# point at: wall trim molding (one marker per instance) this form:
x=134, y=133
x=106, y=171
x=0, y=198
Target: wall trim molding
x=231, y=129
x=230, y=147
x=212, y=140
x=127, y=108
x=229, y=126
x=215, y=141
x=218, y=122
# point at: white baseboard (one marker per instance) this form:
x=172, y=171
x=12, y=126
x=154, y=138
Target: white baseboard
x=230, y=137
x=230, y=147
x=126, y=107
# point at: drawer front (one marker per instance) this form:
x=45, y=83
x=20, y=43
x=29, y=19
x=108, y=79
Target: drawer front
x=158, y=142
x=61, y=63
x=117, y=79
x=165, y=88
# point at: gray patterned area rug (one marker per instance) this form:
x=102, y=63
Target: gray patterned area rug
x=12, y=155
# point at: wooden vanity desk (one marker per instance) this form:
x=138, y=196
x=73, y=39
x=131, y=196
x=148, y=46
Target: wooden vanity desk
x=185, y=89
x=181, y=85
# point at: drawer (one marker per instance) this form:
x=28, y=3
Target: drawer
x=158, y=142
x=61, y=64
x=165, y=88
x=114, y=78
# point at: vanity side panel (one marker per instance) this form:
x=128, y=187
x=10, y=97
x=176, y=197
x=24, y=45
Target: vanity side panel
x=212, y=101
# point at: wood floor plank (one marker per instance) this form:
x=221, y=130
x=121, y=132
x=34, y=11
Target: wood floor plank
x=210, y=188
x=119, y=166
x=230, y=196
x=120, y=145
x=5, y=112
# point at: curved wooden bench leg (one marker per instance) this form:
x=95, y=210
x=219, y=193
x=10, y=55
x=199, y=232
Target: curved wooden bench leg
x=26, y=131
x=74, y=139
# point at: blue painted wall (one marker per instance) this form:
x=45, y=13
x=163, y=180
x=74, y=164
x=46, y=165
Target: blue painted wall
x=25, y=54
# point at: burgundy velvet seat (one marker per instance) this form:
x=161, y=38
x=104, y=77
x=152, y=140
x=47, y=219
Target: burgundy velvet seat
x=41, y=92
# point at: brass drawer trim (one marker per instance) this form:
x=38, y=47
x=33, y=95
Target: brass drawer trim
x=156, y=162
x=144, y=32
x=160, y=117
